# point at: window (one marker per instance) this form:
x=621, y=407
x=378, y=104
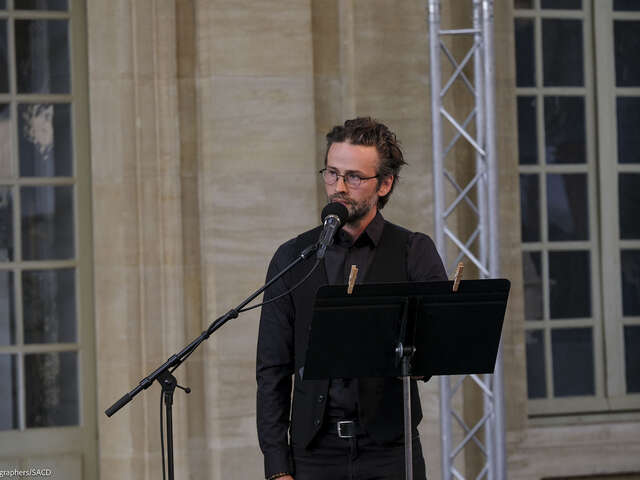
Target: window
x=46, y=326
x=579, y=185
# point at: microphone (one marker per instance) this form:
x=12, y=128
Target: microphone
x=333, y=216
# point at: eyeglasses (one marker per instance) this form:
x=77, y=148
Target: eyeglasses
x=352, y=179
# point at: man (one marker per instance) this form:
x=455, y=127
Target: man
x=340, y=428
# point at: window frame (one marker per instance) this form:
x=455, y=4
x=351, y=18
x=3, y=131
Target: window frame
x=607, y=94
x=23, y=447
x=600, y=93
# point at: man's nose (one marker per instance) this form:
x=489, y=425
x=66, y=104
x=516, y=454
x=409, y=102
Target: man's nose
x=341, y=185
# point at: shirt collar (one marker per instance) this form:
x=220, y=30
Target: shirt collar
x=371, y=234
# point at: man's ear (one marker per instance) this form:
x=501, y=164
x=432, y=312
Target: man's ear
x=385, y=185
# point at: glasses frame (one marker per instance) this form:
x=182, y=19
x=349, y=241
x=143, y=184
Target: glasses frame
x=344, y=178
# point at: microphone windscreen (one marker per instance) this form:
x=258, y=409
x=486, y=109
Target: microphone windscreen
x=337, y=209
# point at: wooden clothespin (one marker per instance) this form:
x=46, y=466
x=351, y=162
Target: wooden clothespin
x=458, y=276
x=352, y=279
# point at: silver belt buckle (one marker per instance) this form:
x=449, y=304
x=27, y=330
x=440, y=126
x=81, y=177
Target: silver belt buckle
x=340, y=424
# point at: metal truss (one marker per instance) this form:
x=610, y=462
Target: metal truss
x=480, y=195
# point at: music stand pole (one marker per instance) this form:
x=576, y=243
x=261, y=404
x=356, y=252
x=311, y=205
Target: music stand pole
x=405, y=354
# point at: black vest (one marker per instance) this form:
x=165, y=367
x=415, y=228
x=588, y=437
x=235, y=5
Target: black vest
x=379, y=399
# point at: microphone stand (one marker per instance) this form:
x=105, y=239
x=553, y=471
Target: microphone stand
x=163, y=374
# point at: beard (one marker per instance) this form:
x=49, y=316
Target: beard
x=357, y=210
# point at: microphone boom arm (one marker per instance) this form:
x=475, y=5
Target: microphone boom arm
x=175, y=360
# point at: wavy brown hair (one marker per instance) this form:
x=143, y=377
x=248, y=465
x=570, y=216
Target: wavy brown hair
x=371, y=133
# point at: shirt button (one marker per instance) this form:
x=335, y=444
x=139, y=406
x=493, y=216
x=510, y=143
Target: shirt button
x=320, y=398
x=316, y=422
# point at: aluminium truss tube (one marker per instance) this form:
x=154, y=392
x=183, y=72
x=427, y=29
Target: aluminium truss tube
x=481, y=160
x=438, y=205
x=482, y=163
x=436, y=125
x=494, y=239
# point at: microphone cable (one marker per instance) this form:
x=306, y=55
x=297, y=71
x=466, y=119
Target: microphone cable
x=304, y=279
x=313, y=269
x=340, y=214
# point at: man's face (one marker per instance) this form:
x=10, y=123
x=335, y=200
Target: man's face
x=363, y=161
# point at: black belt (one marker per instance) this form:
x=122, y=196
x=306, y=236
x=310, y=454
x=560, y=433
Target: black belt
x=347, y=429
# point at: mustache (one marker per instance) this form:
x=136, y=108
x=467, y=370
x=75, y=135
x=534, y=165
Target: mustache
x=341, y=196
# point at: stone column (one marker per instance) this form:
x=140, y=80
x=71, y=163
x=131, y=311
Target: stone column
x=137, y=224
x=257, y=189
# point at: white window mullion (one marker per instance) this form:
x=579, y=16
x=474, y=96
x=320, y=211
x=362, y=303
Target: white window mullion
x=593, y=193
x=608, y=186
x=548, y=357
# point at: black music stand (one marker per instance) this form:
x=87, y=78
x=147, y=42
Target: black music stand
x=404, y=330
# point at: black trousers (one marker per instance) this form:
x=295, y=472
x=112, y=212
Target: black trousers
x=335, y=458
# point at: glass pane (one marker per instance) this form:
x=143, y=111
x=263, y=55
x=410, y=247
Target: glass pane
x=527, y=131
x=525, y=53
x=532, y=272
x=564, y=129
x=567, y=207
x=8, y=392
x=6, y=140
x=561, y=4
x=562, y=53
x=6, y=224
x=47, y=223
x=530, y=207
x=570, y=284
x=7, y=310
x=4, y=58
x=42, y=56
x=49, y=304
x=628, y=111
x=51, y=384
x=630, y=269
x=632, y=357
x=536, y=378
x=45, y=139
x=629, y=205
x=40, y=4
x=523, y=3
x=627, y=44
x=572, y=352
x=630, y=5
